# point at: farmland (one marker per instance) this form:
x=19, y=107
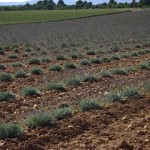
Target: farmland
x=13, y=17
x=76, y=84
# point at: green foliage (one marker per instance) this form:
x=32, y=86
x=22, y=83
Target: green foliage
x=25, y=55
x=105, y=59
x=121, y=71
x=131, y=92
x=114, y=96
x=2, y=67
x=55, y=68
x=74, y=56
x=37, y=71
x=87, y=105
x=62, y=113
x=7, y=96
x=147, y=87
x=60, y=57
x=134, y=54
x=44, y=52
x=20, y=74
x=89, y=78
x=39, y=119
x=34, y=61
x=115, y=57
x=90, y=52
x=9, y=130
x=85, y=62
x=17, y=64
x=5, y=77
x=13, y=56
x=30, y=91
x=28, y=50
x=126, y=55
x=95, y=61
x=56, y=87
x=105, y=73
x=74, y=81
x=70, y=66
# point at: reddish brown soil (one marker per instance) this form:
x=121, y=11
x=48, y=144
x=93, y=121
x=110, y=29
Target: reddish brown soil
x=118, y=126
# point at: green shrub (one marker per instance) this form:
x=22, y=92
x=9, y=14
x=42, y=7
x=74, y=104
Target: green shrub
x=146, y=51
x=34, y=61
x=60, y=57
x=134, y=54
x=45, y=60
x=114, y=96
x=95, y=61
x=141, y=52
x=130, y=69
x=62, y=113
x=13, y=56
x=25, y=55
x=126, y=55
x=121, y=71
x=74, y=81
x=115, y=57
x=147, y=87
x=70, y=66
x=9, y=130
x=131, y=92
x=143, y=65
x=20, y=74
x=87, y=105
x=56, y=87
x=105, y=73
x=15, y=50
x=85, y=62
x=30, y=91
x=90, y=52
x=74, y=56
x=17, y=64
x=33, y=53
x=44, y=52
x=7, y=96
x=105, y=59
x=37, y=71
x=115, y=48
x=55, y=68
x=89, y=78
x=2, y=67
x=2, y=52
x=5, y=77
x=28, y=50
x=39, y=119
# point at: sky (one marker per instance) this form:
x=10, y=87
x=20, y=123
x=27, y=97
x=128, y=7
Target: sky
x=66, y=1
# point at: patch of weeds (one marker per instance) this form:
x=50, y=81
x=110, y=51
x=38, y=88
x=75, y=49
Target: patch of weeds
x=70, y=66
x=55, y=68
x=9, y=130
x=44, y=52
x=56, y=87
x=134, y=54
x=105, y=59
x=17, y=64
x=5, y=77
x=95, y=61
x=25, y=55
x=87, y=105
x=105, y=74
x=2, y=52
x=2, y=67
x=90, y=52
x=147, y=87
x=141, y=52
x=30, y=91
x=60, y=57
x=34, y=61
x=126, y=55
x=62, y=113
x=115, y=48
x=130, y=69
x=89, y=78
x=121, y=71
x=74, y=56
x=114, y=96
x=39, y=119
x=74, y=81
x=13, y=56
x=85, y=62
x=7, y=96
x=37, y=71
x=131, y=92
x=20, y=74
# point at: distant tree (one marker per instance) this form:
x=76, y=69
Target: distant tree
x=79, y=4
x=51, y=5
x=61, y=3
x=133, y=4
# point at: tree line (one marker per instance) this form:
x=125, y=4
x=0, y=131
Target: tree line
x=51, y=5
